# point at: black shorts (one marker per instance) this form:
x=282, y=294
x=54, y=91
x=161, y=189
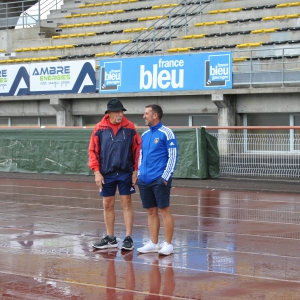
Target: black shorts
x=155, y=194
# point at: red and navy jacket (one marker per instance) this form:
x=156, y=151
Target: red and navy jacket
x=114, y=148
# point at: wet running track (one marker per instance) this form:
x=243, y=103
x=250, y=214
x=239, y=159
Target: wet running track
x=233, y=245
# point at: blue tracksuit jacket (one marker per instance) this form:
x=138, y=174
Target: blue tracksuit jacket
x=158, y=154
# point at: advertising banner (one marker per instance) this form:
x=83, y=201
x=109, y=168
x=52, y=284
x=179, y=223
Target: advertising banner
x=14, y=80
x=63, y=77
x=200, y=71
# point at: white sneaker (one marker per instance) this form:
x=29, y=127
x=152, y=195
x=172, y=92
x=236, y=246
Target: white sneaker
x=166, y=249
x=148, y=248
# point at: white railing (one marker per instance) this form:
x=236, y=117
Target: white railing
x=259, y=154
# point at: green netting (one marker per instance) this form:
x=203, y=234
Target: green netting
x=65, y=151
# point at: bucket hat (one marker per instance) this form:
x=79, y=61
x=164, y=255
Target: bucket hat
x=114, y=104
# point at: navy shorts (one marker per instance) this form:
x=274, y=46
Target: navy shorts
x=155, y=194
x=121, y=180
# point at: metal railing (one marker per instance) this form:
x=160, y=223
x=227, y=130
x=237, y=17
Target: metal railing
x=27, y=13
x=277, y=66
x=259, y=154
x=165, y=28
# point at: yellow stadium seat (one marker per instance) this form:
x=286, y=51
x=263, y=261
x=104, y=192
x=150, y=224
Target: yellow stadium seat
x=1, y=50
x=282, y=5
x=133, y=0
x=43, y=48
x=257, y=31
x=81, y=34
x=222, y=11
x=84, y=15
x=119, y=11
x=90, y=5
x=110, y=12
x=269, y=18
x=76, y=15
x=166, y=5
x=156, y=6
x=238, y=9
x=99, y=54
x=53, y=57
x=186, y=37
x=280, y=17
x=82, y=6
x=34, y=49
x=106, y=3
x=109, y=53
x=91, y=33
x=70, y=26
x=125, y=41
x=239, y=59
x=51, y=47
x=142, y=19
x=254, y=44
x=19, y=50
x=3, y=61
x=87, y=24
x=35, y=59
x=69, y=16
x=96, y=23
x=62, y=26
x=19, y=60
x=242, y=45
x=72, y=35
x=294, y=3
x=128, y=30
x=115, y=42
x=69, y=46
x=99, y=4
x=26, y=49
x=151, y=18
x=56, y=36
x=292, y=16
x=198, y=36
x=226, y=0
x=124, y=1
x=93, y=14
x=115, y=2
x=105, y=22
x=173, y=50
x=137, y=29
x=60, y=47
x=270, y=30
x=213, y=12
x=79, y=25
x=27, y=59
x=101, y=13
x=199, y=24
x=174, y=4
x=221, y=22
x=64, y=36
x=10, y=60
x=210, y=23
x=44, y=58
x=184, y=49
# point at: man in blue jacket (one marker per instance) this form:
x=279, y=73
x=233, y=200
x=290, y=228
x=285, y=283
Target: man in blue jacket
x=157, y=161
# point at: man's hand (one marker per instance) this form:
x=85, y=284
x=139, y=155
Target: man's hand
x=99, y=179
x=165, y=182
x=134, y=177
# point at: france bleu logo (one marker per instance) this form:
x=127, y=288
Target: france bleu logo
x=217, y=70
x=111, y=76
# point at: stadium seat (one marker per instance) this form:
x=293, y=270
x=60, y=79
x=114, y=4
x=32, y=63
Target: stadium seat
x=268, y=43
x=93, y=14
x=213, y=12
x=294, y=4
x=100, y=3
x=282, y=5
x=221, y=22
x=43, y=48
x=269, y=18
x=270, y=6
x=293, y=41
x=78, y=25
x=62, y=26
x=292, y=16
x=82, y=6
x=245, y=45
x=223, y=11
x=70, y=25
x=90, y=5
x=198, y=36
x=64, y=36
x=255, y=44
x=50, y=47
x=269, y=30
x=56, y=36
x=235, y=9
x=280, y=17
x=19, y=50
x=257, y=31
x=185, y=37
x=239, y=59
x=76, y=15
x=294, y=28
x=84, y=15
x=68, y=16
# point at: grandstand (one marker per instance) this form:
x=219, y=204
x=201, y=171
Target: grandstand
x=263, y=37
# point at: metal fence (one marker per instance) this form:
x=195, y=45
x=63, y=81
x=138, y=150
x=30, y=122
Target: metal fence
x=259, y=154
x=27, y=13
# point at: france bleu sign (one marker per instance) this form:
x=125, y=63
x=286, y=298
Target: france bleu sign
x=201, y=71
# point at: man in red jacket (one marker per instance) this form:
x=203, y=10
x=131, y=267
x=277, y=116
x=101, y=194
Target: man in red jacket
x=113, y=156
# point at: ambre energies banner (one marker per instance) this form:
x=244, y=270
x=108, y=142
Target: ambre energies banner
x=14, y=80
x=199, y=71
x=63, y=77
x=48, y=78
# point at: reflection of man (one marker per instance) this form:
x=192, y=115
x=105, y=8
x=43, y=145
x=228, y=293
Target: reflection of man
x=113, y=156
x=111, y=278
x=158, y=158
